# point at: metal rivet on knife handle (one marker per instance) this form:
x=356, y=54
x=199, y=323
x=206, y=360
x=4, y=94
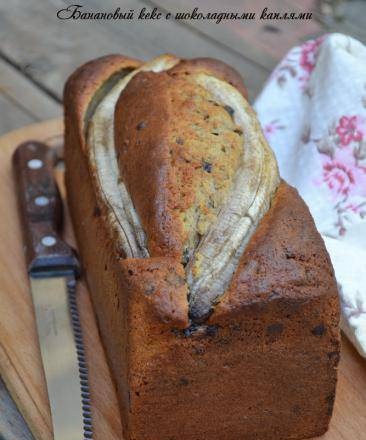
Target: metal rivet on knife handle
x=34, y=164
x=41, y=201
x=48, y=240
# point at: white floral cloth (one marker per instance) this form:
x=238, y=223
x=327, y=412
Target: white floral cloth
x=313, y=113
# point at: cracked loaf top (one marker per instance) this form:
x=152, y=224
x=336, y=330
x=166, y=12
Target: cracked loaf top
x=183, y=167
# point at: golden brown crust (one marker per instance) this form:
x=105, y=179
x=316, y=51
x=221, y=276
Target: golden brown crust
x=160, y=284
x=83, y=84
x=146, y=171
x=169, y=304
x=275, y=332
x=217, y=68
x=286, y=257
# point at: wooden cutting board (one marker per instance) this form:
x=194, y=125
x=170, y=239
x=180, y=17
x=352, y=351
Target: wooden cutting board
x=20, y=364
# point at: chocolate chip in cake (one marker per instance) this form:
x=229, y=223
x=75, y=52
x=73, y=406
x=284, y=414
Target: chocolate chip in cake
x=319, y=330
x=333, y=357
x=185, y=257
x=289, y=254
x=183, y=381
x=199, y=351
x=230, y=110
x=179, y=141
x=97, y=212
x=211, y=202
x=274, y=329
x=207, y=166
x=141, y=125
x=238, y=131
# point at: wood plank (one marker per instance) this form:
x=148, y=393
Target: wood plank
x=11, y=116
x=19, y=353
x=12, y=424
x=266, y=42
x=350, y=22
x=21, y=102
x=48, y=49
x=263, y=41
x=27, y=95
x=20, y=363
x=174, y=37
x=351, y=368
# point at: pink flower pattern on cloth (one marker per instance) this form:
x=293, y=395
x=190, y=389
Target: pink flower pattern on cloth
x=298, y=64
x=343, y=153
x=350, y=128
x=313, y=114
x=308, y=54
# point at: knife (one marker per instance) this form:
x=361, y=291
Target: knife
x=53, y=269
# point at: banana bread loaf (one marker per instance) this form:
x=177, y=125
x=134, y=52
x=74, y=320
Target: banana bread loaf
x=215, y=297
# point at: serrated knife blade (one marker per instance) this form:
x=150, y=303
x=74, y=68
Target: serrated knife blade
x=53, y=268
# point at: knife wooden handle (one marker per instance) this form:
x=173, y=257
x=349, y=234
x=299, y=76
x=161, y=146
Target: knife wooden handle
x=40, y=208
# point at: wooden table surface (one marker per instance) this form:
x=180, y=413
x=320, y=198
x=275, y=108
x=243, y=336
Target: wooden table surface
x=39, y=51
